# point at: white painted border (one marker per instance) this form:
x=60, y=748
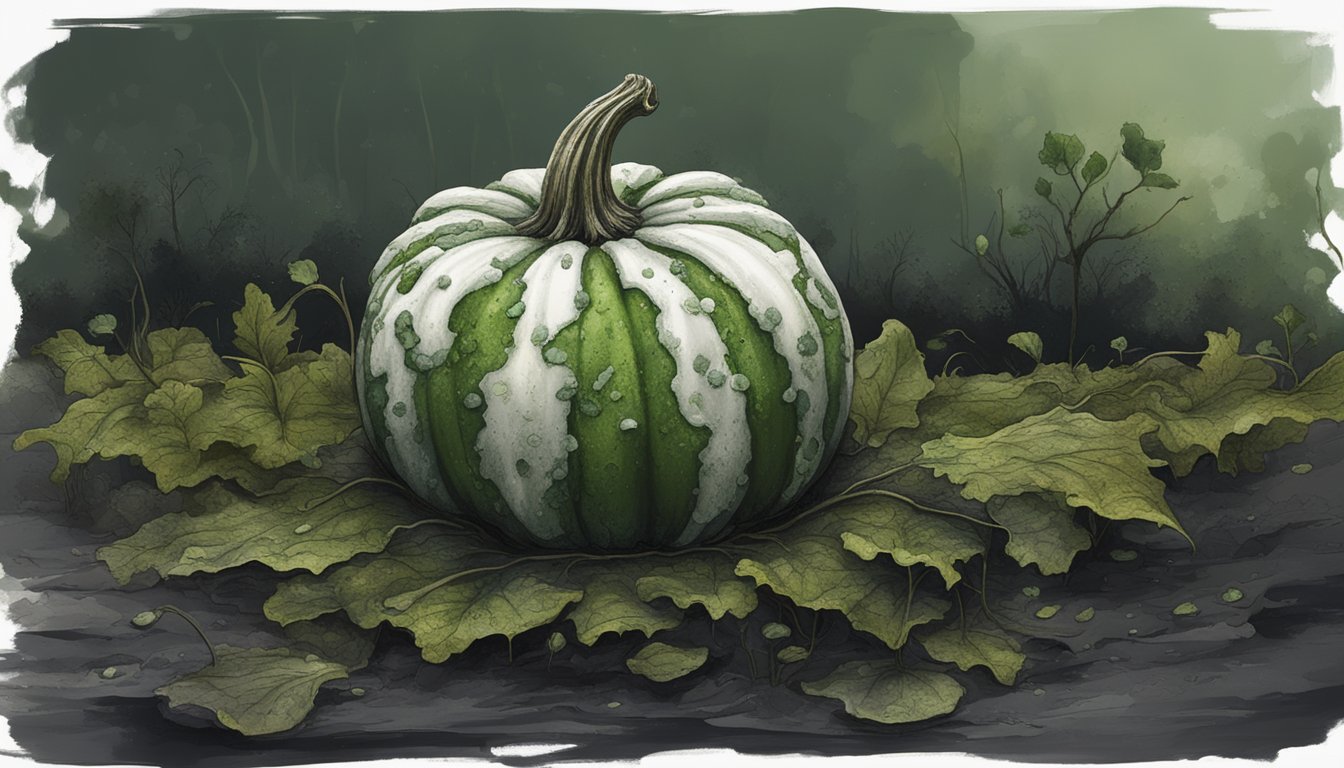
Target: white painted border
x=26, y=30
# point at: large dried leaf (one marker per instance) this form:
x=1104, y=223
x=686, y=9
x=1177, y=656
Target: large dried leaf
x=701, y=578
x=877, y=525
x=88, y=369
x=979, y=645
x=811, y=567
x=255, y=691
x=287, y=416
x=1041, y=531
x=887, y=693
x=259, y=332
x=889, y=382
x=610, y=603
x=1092, y=463
x=438, y=584
x=283, y=530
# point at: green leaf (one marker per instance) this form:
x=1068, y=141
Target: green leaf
x=1029, y=342
x=1093, y=168
x=775, y=631
x=103, y=325
x=1185, y=609
x=809, y=566
x=556, y=642
x=610, y=603
x=333, y=638
x=1143, y=153
x=1290, y=319
x=792, y=654
x=1158, y=181
x=255, y=691
x=303, y=271
x=887, y=693
x=1019, y=230
x=1232, y=595
x=1047, y=611
x=702, y=578
x=1060, y=152
x=1120, y=344
x=661, y=662
x=1041, y=531
x=88, y=369
x=981, y=245
x=877, y=525
x=1043, y=188
x=220, y=529
x=889, y=382
x=259, y=332
x=184, y=354
x=446, y=587
x=1092, y=463
x=1085, y=615
x=1267, y=347
x=73, y=437
x=288, y=415
x=977, y=646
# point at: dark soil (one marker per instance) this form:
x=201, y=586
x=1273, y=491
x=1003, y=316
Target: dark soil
x=1136, y=683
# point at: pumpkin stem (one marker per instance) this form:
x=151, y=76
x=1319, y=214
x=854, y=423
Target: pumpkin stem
x=577, y=199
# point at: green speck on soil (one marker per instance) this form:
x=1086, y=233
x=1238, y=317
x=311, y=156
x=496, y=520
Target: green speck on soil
x=1232, y=595
x=1031, y=591
x=1085, y=615
x=1047, y=611
x=1124, y=555
x=1301, y=469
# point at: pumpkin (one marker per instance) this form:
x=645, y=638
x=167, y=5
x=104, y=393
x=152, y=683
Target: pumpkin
x=604, y=358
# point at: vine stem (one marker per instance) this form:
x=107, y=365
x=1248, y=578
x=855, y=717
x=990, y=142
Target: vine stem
x=338, y=298
x=1265, y=358
x=841, y=498
x=194, y=625
x=319, y=501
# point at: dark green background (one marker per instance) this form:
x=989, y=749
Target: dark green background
x=840, y=118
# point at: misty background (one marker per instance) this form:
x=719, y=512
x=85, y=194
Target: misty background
x=217, y=148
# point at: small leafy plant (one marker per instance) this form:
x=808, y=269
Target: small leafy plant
x=940, y=478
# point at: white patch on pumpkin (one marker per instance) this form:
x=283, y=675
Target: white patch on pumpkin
x=721, y=409
x=453, y=227
x=764, y=278
x=527, y=425
x=692, y=183
x=498, y=204
x=713, y=209
x=632, y=176
x=524, y=183
x=817, y=280
x=471, y=266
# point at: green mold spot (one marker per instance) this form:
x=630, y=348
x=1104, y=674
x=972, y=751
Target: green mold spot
x=739, y=382
x=399, y=409
x=771, y=319
x=582, y=300
x=700, y=364
x=807, y=345
x=516, y=310
x=410, y=275
x=555, y=356
x=404, y=328
x=716, y=378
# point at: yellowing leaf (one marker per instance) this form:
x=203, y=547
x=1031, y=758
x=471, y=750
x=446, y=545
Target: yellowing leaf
x=706, y=579
x=74, y=436
x=611, y=604
x=889, y=382
x=220, y=529
x=1092, y=463
x=333, y=638
x=886, y=693
x=661, y=662
x=983, y=646
x=286, y=416
x=445, y=587
x=260, y=333
x=88, y=369
x=184, y=354
x=1029, y=342
x=255, y=691
x=816, y=572
x=878, y=525
x=1041, y=530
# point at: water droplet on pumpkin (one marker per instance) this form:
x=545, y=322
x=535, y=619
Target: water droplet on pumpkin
x=790, y=395
x=647, y=273
x=472, y=400
x=524, y=469
x=739, y=382
x=555, y=355
x=603, y=378
x=628, y=424
x=691, y=305
x=534, y=440
x=571, y=443
x=500, y=388
x=516, y=310
x=699, y=202
x=615, y=395
x=582, y=300
x=701, y=364
x=716, y=378
x=444, y=282
x=540, y=334
x=566, y=261
x=707, y=305
x=399, y=409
